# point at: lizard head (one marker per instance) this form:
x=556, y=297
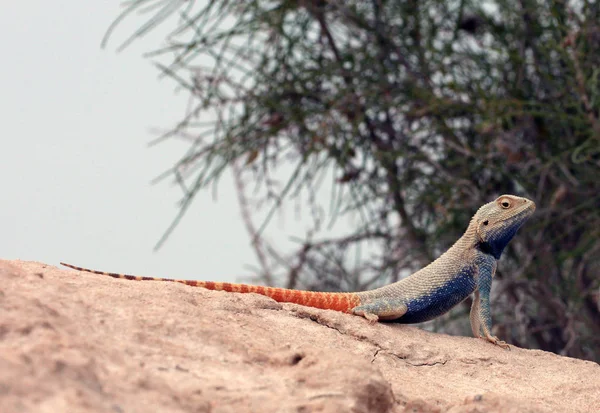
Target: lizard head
x=498, y=221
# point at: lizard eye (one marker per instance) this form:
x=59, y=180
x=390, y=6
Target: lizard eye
x=505, y=204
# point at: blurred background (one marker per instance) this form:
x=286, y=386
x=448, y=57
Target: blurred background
x=75, y=157
x=328, y=145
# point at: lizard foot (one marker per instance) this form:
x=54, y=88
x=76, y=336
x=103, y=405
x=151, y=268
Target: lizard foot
x=496, y=341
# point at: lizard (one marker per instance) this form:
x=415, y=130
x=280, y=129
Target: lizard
x=466, y=268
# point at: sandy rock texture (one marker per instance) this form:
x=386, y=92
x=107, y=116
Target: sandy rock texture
x=78, y=342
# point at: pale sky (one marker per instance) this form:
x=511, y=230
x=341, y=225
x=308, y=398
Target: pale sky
x=76, y=169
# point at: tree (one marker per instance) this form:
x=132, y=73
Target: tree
x=422, y=111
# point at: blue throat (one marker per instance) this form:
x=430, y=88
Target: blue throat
x=499, y=239
x=491, y=249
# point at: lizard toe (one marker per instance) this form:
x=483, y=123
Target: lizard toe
x=496, y=341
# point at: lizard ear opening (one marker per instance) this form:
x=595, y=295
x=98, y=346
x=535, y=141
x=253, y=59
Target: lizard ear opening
x=480, y=230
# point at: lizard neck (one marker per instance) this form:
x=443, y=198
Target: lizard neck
x=470, y=241
x=498, y=237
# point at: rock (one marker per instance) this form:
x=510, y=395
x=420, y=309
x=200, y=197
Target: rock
x=79, y=342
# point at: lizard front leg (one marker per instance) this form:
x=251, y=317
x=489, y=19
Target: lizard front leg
x=481, y=314
x=474, y=316
x=381, y=309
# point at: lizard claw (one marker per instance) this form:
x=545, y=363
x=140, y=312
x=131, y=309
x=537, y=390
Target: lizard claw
x=371, y=318
x=496, y=341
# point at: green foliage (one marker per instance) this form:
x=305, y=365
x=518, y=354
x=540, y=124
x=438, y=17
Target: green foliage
x=422, y=111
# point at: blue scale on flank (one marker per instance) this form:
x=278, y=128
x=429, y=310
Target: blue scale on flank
x=446, y=297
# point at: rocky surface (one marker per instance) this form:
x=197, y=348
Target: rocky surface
x=78, y=342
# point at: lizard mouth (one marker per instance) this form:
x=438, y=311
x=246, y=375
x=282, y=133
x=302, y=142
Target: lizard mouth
x=522, y=215
x=531, y=206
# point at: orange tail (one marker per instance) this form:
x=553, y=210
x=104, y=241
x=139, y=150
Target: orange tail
x=329, y=301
